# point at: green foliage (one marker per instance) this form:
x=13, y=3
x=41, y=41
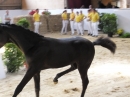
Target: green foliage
x=120, y=31
x=46, y=12
x=109, y=24
x=125, y=35
x=23, y=22
x=13, y=57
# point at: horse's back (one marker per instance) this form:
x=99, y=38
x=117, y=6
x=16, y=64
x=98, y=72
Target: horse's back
x=66, y=51
x=57, y=53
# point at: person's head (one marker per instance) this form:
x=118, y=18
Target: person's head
x=77, y=13
x=89, y=10
x=37, y=10
x=93, y=10
x=65, y=11
x=72, y=9
x=81, y=12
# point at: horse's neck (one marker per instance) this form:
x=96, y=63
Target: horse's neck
x=20, y=40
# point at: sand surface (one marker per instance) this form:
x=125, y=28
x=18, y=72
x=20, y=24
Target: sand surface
x=109, y=75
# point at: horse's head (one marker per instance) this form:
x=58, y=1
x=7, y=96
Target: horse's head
x=3, y=35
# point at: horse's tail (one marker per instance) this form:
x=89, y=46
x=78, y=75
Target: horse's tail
x=107, y=43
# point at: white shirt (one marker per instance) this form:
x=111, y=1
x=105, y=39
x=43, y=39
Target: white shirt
x=7, y=16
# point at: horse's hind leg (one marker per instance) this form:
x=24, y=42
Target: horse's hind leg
x=73, y=67
x=37, y=83
x=83, y=73
x=30, y=73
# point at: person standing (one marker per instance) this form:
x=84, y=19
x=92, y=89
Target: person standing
x=7, y=17
x=36, y=19
x=64, y=22
x=82, y=17
x=94, y=19
x=78, y=24
x=89, y=24
x=72, y=17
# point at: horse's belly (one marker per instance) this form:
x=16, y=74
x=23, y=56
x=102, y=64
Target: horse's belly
x=61, y=60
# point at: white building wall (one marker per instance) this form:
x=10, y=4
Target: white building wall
x=123, y=19
x=43, y=4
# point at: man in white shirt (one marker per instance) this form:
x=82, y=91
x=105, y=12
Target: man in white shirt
x=7, y=17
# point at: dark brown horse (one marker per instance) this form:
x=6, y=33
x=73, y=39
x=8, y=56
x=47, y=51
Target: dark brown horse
x=44, y=52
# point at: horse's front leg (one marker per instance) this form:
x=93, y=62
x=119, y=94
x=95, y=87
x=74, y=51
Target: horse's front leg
x=37, y=83
x=29, y=74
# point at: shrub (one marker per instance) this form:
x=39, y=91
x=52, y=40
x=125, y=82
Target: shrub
x=108, y=23
x=46, y=12
x=101, y=22
x=23, y=22
x=32, y=12
x=120, y=31
x=125, y=35
x=12, y=57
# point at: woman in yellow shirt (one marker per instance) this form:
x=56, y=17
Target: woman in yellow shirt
x=82, y=16
x=36, y=19
x=64, y=22
x=94, y=19
x=72, y=17
x=78, y=24
x=89, y=24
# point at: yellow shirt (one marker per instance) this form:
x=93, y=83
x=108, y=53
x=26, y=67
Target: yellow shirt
x=77, y=18
x=89, y=16
x=94, y=17
x=81, y=16
x=36, y=17
x=72, y=16
x=64, y=16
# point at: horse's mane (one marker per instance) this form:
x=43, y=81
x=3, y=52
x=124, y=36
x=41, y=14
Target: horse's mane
x=30, y=35
x=21, y=29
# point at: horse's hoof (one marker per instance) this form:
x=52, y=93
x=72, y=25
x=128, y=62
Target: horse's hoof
x=55, y=82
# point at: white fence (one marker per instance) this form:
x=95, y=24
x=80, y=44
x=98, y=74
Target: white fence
x=123, y=15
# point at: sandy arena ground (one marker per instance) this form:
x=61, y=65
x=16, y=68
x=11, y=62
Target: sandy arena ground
x=109, y=75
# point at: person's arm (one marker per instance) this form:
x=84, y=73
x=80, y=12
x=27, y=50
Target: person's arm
x=62, y=16
x=84, y=17
x=7, y=18
x=39, y=18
